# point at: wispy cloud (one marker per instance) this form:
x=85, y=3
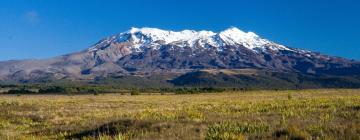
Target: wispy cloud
x=32, y=17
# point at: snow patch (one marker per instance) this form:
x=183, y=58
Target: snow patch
x=139, y=38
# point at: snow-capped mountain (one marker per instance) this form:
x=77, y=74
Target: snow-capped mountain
x=143, y=51
x=139, y=39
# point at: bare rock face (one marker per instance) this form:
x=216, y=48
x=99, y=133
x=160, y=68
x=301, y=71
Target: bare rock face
x=150, y=50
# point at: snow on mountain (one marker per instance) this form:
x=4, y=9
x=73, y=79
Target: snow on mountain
x=140, y=38
x=250, y=40
x=147, y=51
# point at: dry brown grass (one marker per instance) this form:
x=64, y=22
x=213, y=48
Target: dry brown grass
x=303, y=114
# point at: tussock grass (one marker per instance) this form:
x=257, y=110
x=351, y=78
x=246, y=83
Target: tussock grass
x=293, y=114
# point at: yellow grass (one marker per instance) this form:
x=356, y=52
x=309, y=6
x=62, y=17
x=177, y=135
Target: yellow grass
x=303, y=114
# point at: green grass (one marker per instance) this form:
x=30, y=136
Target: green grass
x=293, y=114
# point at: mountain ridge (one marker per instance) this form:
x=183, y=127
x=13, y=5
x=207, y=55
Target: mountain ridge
x=147, y=51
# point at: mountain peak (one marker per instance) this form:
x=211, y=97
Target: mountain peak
x=146, y=37
x=146, y=30
x=168, y=36
x=234, y=30
x=250, y=40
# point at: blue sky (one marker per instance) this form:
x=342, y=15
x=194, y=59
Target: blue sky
x=47, y=28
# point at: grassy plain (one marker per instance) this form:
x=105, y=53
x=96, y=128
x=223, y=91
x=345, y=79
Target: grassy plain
x=293, y=114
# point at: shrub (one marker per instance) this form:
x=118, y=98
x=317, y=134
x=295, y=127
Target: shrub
x=187, y=91
x=20, y=91
x=234, y=130
x=290, y=96
x=52, y=89
x=134, y=92
x=292, y=133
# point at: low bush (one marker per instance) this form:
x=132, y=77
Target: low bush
x=20, y=91
x=134, y=92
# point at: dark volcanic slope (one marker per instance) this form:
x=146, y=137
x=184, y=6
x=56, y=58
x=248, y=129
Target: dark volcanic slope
x=265, y=80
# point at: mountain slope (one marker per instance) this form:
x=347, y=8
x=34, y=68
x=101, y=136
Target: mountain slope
x=149, y=51
x=264, y=80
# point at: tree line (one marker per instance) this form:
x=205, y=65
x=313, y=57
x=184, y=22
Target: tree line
x=109, y=89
